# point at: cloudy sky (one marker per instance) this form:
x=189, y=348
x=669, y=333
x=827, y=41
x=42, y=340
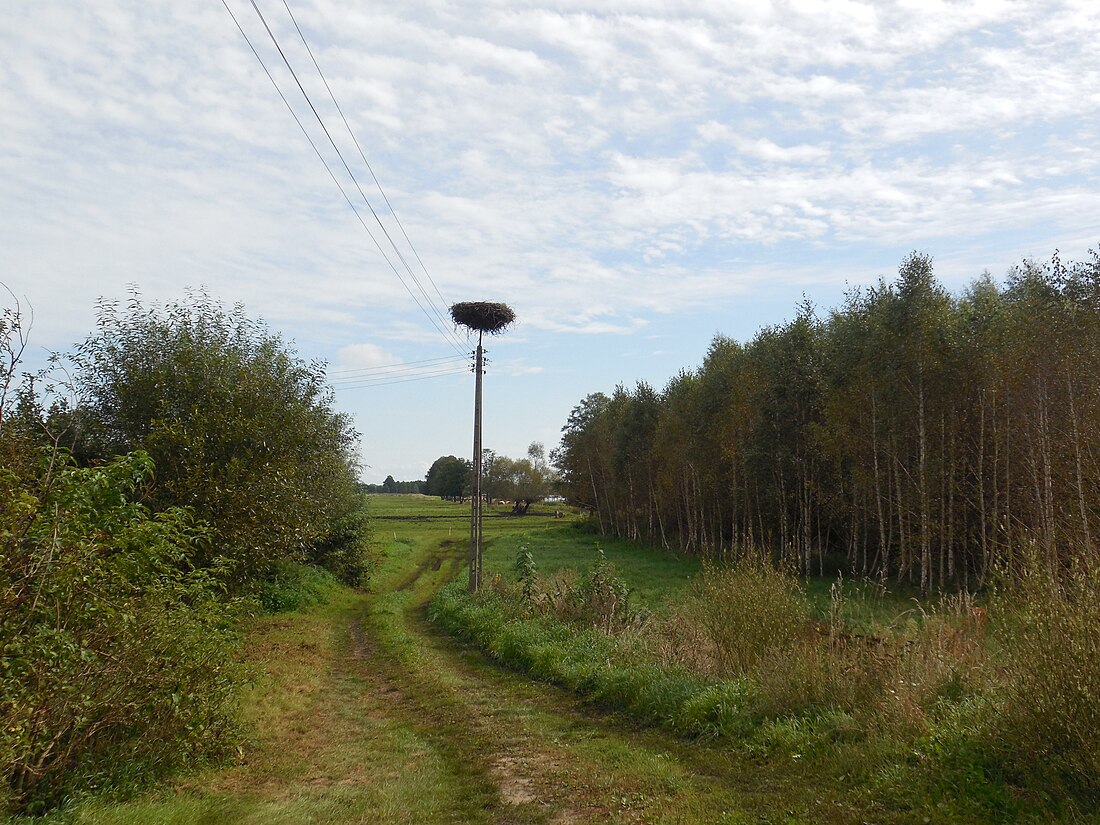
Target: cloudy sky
x=632, y=176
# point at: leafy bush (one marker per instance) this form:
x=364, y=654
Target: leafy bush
x=604, y=597
x=117, y=660
x=241, y=429
x=293, y=586
x=344, y=549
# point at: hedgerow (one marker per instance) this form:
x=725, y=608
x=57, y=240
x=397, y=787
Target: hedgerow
x=117, y=660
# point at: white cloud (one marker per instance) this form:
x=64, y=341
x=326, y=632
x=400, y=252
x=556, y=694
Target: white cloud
x=360, y=356
x=596, y=166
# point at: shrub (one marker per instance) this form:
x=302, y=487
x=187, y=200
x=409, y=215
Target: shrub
x=1047, y=728
x=293, y=586
x=344, y=549
x=241, y=429
x=747, y=611
x=599, y=599
x=117, y=660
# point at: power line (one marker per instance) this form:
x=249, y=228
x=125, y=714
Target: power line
x=384, y=381
x=331, y=175
x=351, y=379
x=366, y=163
x=347, y=375
x=451, y=337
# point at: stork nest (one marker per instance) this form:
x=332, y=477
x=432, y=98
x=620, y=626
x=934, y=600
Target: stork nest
x=483, y=316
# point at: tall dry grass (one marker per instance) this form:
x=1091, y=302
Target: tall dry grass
x=1002, y=710
x=753, y=620
x=1046, y=726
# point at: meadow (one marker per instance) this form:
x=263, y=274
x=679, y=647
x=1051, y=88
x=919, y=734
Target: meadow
x=912, y=700
x=413, y=701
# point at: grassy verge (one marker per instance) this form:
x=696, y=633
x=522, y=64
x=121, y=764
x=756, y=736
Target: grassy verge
x=323, y=747
x=911, y=701
x=594, y=665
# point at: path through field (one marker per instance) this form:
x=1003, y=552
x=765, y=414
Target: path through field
x=365, y=713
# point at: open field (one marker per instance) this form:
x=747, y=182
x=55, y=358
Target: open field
x=656, y=577
x=363, y=712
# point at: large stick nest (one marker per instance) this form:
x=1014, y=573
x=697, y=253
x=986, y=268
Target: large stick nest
x=483, y=316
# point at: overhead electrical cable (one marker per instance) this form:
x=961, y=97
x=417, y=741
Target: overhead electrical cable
x=382, y=382
x=386, y=366
x=346, y=379
x=331, y=175
x=366, y=163
x=443, y=330
x=352, y=379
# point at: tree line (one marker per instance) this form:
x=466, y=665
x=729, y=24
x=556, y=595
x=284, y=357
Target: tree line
x=390, y=486
x=909, y=433
x=522, y=481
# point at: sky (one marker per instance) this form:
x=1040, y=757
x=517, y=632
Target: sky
x=632, y=177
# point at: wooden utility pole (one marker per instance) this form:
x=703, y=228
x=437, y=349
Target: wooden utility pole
x=475, y=498
x=494, y=319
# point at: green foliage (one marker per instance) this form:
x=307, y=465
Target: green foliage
x=527, y=572
x=603, y=597
x=240, y=429
x=117, y=652
x=448, y=477
x=906, y=435
x=292, y=586
x=523, y=480
x=1047, y=729
x=344, y=549
x=600, y=599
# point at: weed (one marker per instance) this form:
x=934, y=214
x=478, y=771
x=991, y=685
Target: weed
x=747, y=611
x=1047, y=730
x=527, y=572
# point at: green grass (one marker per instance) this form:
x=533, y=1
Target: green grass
x=322, y=749
x=652, y=575
x=363, y=712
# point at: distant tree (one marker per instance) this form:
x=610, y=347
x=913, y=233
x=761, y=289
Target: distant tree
x=448, y=477
x=389, y=486
x=535, y=478
x=522, y=481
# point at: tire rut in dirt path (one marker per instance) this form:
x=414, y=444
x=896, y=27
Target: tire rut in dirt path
x=545, y=754
x=463, y=725
x=552, y=757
